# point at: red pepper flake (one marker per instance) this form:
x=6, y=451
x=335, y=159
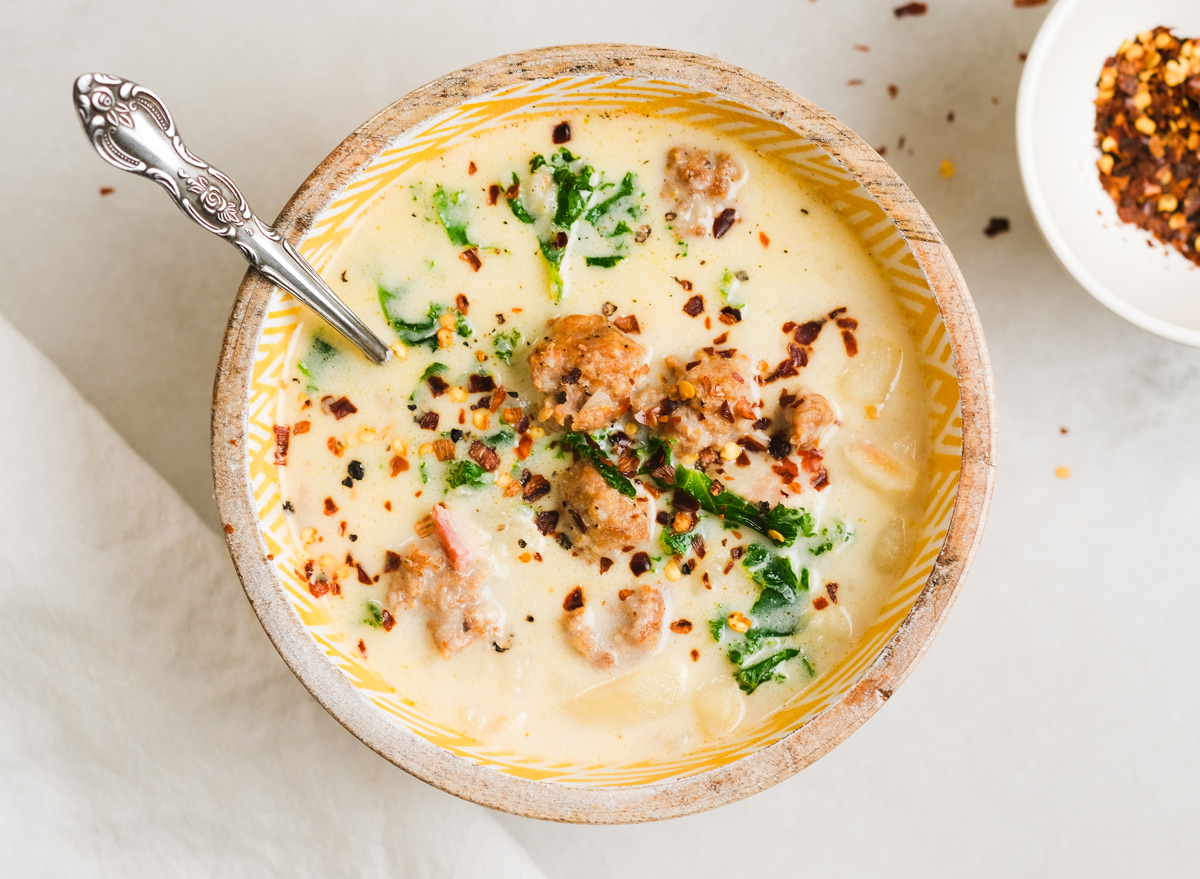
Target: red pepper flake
x=628, y=324
x=640, y=563
x=330, y=506
x=493, y=193
x=820, y=602
x=480, y=384
x=524, y=447
x=485, y=456
x=462, y=303
x=428, y=420
x=685, y=284
x=387, y=505
x=821, y=480
x=471, y=257
x=561, y=133
x=694, y=306
x=301, y=427
x=443, y=449
x=910, y=9
x=471, y=169
x=560, y=240
x=437, y=385
x=546, y=521
x=342, y=407
x=574, y=599
x=388, y=621
x=850, y=342
x=861, y=47
x=363, y=576
x=698, y=545
x=681, y=627
x=391, y=562
x=832, y=589
x=624, y=593
x=318, y=588
x=362, y=648
x=605, y=564
x=719, y=340
x=893, y=90
x=763, y=239
x=398, y=465
x=106, y=190
x=282, y=438
x=536, y=489
x=1028, y=4
x=723, y=222
x=853, y=82
x=730, y=316
x=995, y=226
x=228, y=529
x=695, y=654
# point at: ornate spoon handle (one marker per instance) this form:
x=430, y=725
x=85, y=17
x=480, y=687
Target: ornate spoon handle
x=132, y=129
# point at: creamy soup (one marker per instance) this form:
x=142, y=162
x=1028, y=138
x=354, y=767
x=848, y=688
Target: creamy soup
x=648, y=454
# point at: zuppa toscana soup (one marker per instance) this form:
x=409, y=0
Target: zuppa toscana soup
x=648, y=455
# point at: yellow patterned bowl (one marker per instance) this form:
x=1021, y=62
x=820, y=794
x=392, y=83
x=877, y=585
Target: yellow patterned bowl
x=873, y=202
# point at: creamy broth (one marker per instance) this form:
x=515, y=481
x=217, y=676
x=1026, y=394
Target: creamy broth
x=359, y=485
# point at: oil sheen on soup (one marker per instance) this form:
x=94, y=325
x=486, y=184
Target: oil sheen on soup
x=647, y=456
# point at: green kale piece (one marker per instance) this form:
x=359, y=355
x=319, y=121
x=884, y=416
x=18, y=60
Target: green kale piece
x=375, y=609
x=505, y=344
x=433, y=369
x=676, y=544
x=603, y=262
x=411, y=333
x=500, y=438
x=587, y=448
x=319, y=353
x=465, y=472
x=451, y=210
x=752, y=677
x=780, y=523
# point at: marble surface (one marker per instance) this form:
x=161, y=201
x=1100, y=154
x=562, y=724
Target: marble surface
x=1049, y=731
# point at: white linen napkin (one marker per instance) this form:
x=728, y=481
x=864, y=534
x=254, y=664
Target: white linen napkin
x=147, y=727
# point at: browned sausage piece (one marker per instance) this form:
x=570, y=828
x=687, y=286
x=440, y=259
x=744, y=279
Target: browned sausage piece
x=602, y=519
x=631, y=633
x=460, y=606
x=701, y=186
x=587, y=368
x=710, y=400
x=813, y=418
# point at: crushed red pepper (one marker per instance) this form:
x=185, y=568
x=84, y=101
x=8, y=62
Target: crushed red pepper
x=1148, y=132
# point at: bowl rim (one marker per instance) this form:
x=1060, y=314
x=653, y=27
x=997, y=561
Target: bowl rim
x=1032, y=81
x=765, y=766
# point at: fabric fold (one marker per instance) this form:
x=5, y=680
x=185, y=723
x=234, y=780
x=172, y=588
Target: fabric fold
x=149, y=728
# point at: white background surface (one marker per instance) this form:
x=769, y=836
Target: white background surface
x=1052, y=728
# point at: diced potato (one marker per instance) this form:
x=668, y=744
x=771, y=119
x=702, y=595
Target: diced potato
x=720, y=706
x=829, y=633
x=880, y=468
x=891, y=548
x=870, y=377
x=642, y=694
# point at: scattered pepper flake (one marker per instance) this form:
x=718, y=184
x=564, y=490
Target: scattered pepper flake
x=995, y=226
x=910, y=9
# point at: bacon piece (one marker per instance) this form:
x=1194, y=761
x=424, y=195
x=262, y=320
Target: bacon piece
x=453, y=539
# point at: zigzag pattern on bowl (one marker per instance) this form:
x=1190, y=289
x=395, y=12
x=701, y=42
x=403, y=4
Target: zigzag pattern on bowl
x=861, y=213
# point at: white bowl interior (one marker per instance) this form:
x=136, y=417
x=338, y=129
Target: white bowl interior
x=1145, y=282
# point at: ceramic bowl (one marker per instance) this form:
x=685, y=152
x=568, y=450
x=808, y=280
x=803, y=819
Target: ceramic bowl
x=1150, y=285
x=873, y=202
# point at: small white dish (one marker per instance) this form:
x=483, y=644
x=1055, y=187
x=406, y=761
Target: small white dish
x=1145, y=282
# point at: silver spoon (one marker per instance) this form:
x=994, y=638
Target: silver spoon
x=132, y=129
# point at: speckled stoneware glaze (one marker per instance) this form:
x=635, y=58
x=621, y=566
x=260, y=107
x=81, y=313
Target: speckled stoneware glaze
x=873, y=202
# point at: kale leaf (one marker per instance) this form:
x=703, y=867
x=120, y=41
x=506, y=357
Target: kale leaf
x=587, y=448
x=751, y=677
x=505, y=344
x=319, y=353
x=451, y=210
x=467, y=473
x=780, y=523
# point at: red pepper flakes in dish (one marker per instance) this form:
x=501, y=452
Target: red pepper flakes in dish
x=1148, y=132
x=910, y=9
x=282, y=439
